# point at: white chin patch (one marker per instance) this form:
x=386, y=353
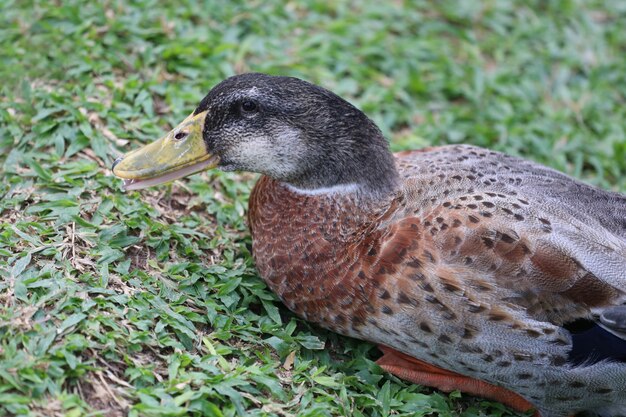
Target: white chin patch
x=227, y=167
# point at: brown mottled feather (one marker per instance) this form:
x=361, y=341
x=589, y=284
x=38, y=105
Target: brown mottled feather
x=472, y=266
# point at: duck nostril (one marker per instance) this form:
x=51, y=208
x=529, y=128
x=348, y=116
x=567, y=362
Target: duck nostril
x=180, y=135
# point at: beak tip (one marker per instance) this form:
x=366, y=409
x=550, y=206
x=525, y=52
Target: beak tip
x=117, y=161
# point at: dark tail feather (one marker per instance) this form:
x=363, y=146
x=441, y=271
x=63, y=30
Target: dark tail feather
x=593, y=344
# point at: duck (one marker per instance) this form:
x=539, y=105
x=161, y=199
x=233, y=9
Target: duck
x=472, y=270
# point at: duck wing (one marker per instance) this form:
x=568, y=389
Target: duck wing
x=479, y=245
x=557, y=243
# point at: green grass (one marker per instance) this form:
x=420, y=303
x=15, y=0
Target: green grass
x=148, y=303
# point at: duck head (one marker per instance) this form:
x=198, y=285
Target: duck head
x=283, y=127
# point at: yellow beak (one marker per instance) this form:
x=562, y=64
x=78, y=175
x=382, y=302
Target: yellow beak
x=180, y=153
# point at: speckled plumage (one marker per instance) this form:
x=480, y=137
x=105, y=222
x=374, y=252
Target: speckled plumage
x=472, y=265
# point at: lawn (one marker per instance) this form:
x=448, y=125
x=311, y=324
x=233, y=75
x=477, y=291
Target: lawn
x=147, y=303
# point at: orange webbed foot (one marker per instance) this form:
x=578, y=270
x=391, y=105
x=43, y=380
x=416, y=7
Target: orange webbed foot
x=416, y=371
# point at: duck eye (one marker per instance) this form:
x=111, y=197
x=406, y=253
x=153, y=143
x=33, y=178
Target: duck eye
x=248, y=106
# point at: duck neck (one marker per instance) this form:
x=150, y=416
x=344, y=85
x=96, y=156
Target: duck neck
x=363, y=165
